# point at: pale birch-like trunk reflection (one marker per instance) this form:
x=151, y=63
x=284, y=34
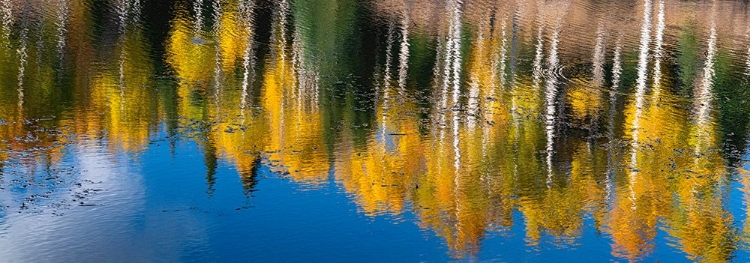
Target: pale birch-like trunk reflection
x=551, y=100
x=6, y=14
x=658, y=51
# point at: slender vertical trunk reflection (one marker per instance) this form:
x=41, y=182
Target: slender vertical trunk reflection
x=598, y=60
x=512, y=64
x=385, y=87
x=388, y=57
x=248, y=56
x=503, y=55
x=22, y=57
x=585, y=101
x=500, y=65
x=218, y=72
x=497, y=62
x=282, y=16
x=616, y=71
x=453, y=53
x=440, y=84
x=452, y=68
x=307, y=73
x=278, y=44
x=639, y=94
x=658, y=52
x=198, y=10
x=550, y=99
x=455, y=50
x=704, y=91
x=61, y=23
x=747, y=61
x=6, y=18
x=136, y=9
x=123, y=8
x=403, y=57
x=514, y=109
x=515, y=41
x=298, y=64
x=539, y=53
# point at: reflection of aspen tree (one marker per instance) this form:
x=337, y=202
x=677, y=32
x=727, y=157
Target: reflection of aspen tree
x=296, y=131
x=123, y=93
x=632, y=221
x=704, y=229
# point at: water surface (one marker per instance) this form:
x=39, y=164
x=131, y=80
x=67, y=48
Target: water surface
x=378, y=130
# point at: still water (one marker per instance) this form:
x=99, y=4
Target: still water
x=374, y=130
